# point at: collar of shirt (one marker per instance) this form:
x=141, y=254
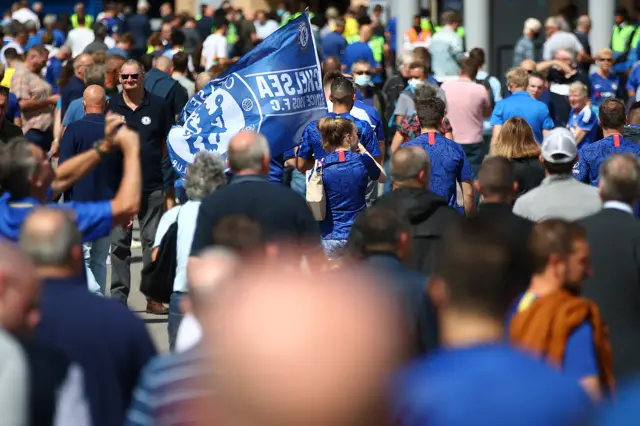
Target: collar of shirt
x=248, y=178
x=521, y=93
x=618, y=205
x=557, y=178
x=119, y=100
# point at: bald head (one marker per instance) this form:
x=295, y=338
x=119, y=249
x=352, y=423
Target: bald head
x=80, y=63
x=331, y=64
x=18, y=311
x=410, y=167
x=249, y=151
x=51, y=239
x=202, y=79
x=163, y=64
x=206, y=272
x=528, y=65
x=94, y=100
x=323, y=355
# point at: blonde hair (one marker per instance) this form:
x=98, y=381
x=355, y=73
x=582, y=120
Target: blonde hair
x=605, y=51
x=516, y=140
x=531, y=25
x=334, y=131
x=518, y=78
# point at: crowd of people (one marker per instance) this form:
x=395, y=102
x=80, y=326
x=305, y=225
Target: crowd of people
x=444, y=246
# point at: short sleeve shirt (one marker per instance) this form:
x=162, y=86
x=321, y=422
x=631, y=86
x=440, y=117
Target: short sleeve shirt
x=448, y=164
x=311, y=145
x=587, y=120
x=521, y=104
x=604, y=88
x=345, y=177
x=30, y=86
x=587, y=169
x=94, y=219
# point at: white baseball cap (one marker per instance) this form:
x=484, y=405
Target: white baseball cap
x=559, y=146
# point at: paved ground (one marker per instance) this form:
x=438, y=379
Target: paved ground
x=156, y=324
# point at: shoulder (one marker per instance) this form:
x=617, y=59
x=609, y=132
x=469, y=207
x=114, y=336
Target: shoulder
x=157, y=101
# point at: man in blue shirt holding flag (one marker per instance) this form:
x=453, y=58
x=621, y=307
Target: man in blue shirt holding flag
x=28, y=181
x=448, y=163
x=612, y=119
x=342, y=98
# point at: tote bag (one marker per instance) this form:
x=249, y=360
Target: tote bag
x=316, y=198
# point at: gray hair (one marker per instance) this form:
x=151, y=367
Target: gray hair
x=95, y=74
x=133, y=62
x=49, y=20
x=620, y=178
x=406, y=59
x=553, y=22
x=17, y=166
x=408, y=162
x=578, y=87
x=204, y=175
x=30, y=26
x=250, y=158
x=50, y=247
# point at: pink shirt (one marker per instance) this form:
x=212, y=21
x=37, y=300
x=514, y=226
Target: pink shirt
x=466, y=103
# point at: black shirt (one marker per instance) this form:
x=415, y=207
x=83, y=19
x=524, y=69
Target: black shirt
x=584, y=40
x=559, y=85
x=8, y=131
x=153, y=120
x=282, y=214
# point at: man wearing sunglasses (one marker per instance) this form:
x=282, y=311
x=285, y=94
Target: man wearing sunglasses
x=151, y=116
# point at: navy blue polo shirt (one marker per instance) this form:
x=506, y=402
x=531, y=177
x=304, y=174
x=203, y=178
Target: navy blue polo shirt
x=73, y=90
x=333, y=44
x=106, y=339
x=152, y=120
x=103, y=181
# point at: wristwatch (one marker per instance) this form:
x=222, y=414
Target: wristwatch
x=96, y=147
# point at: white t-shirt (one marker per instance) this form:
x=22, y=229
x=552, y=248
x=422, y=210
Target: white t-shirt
x=187, y=216
x=25, y=15
x=10, y=44
x=215, y=46
x=78, y=39
x=265, y=30
x=189, y=333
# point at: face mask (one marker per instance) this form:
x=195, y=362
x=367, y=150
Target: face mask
x=280, y=12
x=415, y=82
x=362, y=80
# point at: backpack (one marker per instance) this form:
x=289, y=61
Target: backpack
x=485, y=82
x=158, y=276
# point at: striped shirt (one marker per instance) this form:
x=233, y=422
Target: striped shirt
x=169, y=390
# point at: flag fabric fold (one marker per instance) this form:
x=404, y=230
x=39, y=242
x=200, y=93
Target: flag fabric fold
x=275, y=89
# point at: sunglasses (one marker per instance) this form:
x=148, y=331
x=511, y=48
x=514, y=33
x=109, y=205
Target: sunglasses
x=129, y=76
x=606, y=60
x=362, y=73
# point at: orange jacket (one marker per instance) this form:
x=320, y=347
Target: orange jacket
x=414, y=36
x=544, y=328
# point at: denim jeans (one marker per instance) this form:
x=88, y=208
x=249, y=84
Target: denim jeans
x=387, y=169
x=95, y=261
x=475, y=153
x=175, y=318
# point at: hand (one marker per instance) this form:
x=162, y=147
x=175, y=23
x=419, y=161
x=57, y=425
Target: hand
x=55, y=148
x=563, y=67
x=127, y=139
x=112, y=123
x=53, y=99
x=129, y=224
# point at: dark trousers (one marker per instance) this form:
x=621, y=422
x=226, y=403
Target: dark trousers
x=40, y=138
x=175, y=318
x=151, y=209
x=475, y=153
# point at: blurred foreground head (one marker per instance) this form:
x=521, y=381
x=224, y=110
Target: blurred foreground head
x=291, y=349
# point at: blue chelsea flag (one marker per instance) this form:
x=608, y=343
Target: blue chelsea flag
x=275, y=89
